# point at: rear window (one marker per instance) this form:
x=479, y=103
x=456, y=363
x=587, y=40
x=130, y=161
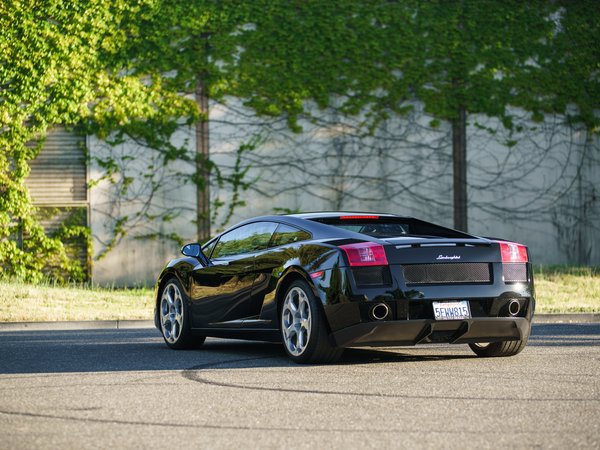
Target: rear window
x=376, y=229
x=389, y=227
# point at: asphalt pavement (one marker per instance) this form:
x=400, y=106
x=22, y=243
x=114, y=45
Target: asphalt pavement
x=124, y=389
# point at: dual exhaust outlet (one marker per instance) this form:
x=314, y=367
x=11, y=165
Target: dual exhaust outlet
x=381, y=311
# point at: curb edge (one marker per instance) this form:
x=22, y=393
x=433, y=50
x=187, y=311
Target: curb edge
x=143, y=324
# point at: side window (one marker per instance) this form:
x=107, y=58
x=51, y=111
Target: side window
x=245, y=239
x=286, y=234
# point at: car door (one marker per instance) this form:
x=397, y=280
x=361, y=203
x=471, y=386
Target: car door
x=266, y=263
x=221, y=292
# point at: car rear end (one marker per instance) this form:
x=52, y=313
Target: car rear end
x=411, y=288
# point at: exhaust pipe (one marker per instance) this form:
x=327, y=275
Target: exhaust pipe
x=379, y=312
x=514, y=307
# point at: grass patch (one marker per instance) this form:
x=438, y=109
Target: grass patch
x=567, y=289
x=559, y=289
x=21, y=302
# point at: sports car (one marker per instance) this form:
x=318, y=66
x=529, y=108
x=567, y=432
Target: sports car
x=321, y=282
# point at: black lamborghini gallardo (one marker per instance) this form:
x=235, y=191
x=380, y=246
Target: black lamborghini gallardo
x=320, y=282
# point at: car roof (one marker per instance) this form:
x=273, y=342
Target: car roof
x=326, y=214
x=318, y=230
x=310, y=216
x=321, y=230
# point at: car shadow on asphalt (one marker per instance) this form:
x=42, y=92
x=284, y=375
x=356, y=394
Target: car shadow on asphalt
x=267, y=354
x=144, y=350
x=49, y=352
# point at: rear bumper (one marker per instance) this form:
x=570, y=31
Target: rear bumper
x=412, y=332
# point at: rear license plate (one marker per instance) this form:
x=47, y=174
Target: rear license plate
x=451, y=310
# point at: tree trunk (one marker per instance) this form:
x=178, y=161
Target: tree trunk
x=459, y=166
x=202, y=171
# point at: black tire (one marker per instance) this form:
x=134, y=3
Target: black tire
x=317, y=348
x=174, y=317
x=503, y=348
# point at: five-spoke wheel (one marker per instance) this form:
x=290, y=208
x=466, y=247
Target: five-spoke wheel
x=171, y=313
x=173, y=317
x=296, y=321
x=304, y=330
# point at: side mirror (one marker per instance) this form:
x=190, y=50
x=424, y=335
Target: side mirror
x=195, y=251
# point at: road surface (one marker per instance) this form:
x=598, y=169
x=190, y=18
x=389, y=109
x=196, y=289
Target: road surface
x=124, y=389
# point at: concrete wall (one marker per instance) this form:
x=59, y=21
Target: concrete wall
x=547, y=197
x=135, y=260
x=331, y=165
x=538, y=186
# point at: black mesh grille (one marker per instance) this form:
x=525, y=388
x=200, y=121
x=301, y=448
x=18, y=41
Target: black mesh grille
x=447, y=273
x=514, y=273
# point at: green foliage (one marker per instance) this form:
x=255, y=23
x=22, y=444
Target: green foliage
x=569, y=76
x=60, y=64
x=118, y=69
x=379, y=57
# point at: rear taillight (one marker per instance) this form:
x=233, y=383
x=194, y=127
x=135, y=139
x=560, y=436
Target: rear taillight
x=365, y=254
x=513, y=253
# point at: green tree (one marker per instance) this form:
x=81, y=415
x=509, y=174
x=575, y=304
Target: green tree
x=568, y=81
x=60, y=65
x=119, y=68
x=458, y=58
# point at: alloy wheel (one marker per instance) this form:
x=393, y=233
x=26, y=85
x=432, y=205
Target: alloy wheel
x=296, y=321
x=171, y=313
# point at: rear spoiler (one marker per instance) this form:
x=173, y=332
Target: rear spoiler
x=443, y=242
